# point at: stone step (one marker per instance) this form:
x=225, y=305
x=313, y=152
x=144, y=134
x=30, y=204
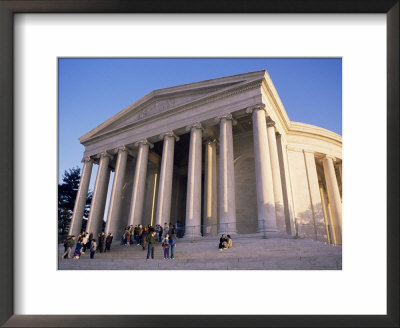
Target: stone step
x=248, y=253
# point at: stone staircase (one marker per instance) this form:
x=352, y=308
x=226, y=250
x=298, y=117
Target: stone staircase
x=249, y=252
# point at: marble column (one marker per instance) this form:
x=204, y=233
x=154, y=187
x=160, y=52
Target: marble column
x=227, y=207
x=334, y=199
x=340, y=172
x=325, y=209
x=81, y=196
x=264, y=181
x=95, y=221
x=210, y=214
x=166, y=175
x=276, y=177
x=114, y=224
x=139, y=182
x=193, y=198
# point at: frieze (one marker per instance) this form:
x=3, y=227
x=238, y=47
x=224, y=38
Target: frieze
x=165, y=106
x=157, y=107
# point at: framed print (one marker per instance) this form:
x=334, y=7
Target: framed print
x=36, y=34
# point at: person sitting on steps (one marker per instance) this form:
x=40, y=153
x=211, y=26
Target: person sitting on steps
x=228, y=242
x=221, y=242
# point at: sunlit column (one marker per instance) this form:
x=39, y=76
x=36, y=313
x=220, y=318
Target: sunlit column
x=227, y=207
x=166, y=175
x=210, y=187
x=81, y=196
x=340, y=172
x=325, y=209
x=264, y=180
x=95, y=221
x=334, y=199
x=193, y=199
x=113, y=219
x=139, y=182
x=276, y=177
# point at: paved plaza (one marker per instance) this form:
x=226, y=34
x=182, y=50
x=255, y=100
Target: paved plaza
x=249, y=252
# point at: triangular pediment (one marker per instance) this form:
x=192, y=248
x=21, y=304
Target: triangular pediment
x=169, y=99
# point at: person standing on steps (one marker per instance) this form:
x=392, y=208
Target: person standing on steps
x=93, y=247
x=160, y=232
x=85, y=242
x=68, y=245
x=151, y=241
x=165, y=228
x=145, y=233
x=102, y=241
x=77, y=253
x=89, y=240
x=172, y=242
x=165, y=246
x=108, y=242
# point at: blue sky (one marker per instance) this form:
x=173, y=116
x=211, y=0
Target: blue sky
x=92, y=90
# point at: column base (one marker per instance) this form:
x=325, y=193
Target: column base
x=227, y=232
x=192, y=233
x=191, y=237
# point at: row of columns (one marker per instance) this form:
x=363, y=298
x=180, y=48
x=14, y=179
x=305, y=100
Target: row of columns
x=268, y=181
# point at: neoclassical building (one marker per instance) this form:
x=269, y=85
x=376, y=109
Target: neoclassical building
x=220, y=156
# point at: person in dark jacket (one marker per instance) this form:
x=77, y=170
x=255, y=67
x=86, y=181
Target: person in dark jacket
x=172, y=231
x=151, y=242
x=69, y=244
x=143, y=239
x=136, y=233
x=222, y=240
x=108, y=242
x=79, y=244
x=139, y=235
x=160, y=233
x=93, y=247
x=90, y=240
x=102, y=241
x=172, y=242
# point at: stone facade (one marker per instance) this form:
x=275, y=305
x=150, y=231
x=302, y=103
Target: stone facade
x=220, y=156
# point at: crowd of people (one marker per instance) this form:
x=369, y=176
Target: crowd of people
x=145, y=237
x=148, y=237
x=86, y=242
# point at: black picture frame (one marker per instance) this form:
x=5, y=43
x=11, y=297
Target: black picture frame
x=10, y=7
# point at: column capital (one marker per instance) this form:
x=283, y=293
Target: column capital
x=119, y=149
x=210, y=140
x=253, y=108
x=226, y=117
x=87, y=159
x=169, y=134
x=105, y=154
x=144, y=142
x=270, y=122
x=123, y=148
x=333, y=158
x=196, y=125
